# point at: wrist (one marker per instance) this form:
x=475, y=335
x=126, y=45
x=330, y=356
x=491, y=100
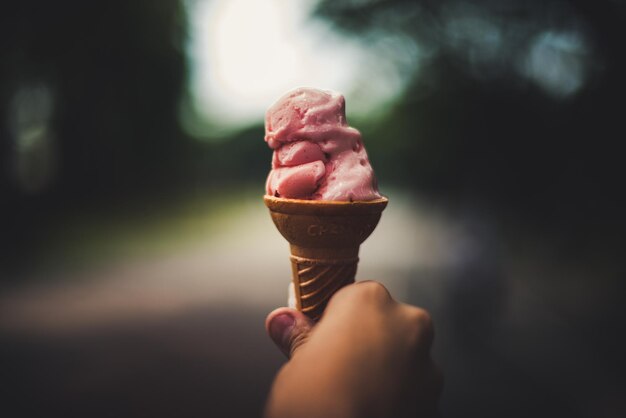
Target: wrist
x=307, y=391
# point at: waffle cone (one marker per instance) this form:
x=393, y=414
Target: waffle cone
x=324, y=238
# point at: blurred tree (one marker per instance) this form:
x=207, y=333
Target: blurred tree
x=110, y=74
x=491, y=112
x=115, y=71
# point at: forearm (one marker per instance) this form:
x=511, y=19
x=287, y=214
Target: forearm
x=314, y=395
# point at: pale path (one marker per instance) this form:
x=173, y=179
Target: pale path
x=245, y=264
x=520, y=331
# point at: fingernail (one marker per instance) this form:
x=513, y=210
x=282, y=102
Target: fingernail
x=280, y=329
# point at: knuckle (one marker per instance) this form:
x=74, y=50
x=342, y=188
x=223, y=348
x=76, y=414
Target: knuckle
x=374, y=290
x=296, y=341
x=340, y=297
x=360, y=293
x=421, y=326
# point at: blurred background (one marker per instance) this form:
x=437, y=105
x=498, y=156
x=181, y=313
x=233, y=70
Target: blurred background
x=138, y=261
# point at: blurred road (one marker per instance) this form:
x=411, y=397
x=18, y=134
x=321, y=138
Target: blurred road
x=181, y=334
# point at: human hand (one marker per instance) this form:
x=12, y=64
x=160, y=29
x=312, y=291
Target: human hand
x=369, y=356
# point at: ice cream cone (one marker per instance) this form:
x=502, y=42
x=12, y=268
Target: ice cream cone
x=324, y=238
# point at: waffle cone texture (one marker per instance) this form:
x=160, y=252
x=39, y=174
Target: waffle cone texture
x=324, y=239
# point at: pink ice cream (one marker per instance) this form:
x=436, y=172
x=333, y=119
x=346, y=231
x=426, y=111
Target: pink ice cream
x=317, y=155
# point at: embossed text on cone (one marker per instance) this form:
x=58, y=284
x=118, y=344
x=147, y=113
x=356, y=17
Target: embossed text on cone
x=324, y=237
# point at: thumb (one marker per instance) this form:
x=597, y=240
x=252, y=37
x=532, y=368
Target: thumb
x=288, y=328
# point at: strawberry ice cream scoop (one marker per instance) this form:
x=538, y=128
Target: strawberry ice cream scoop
x=317, y=156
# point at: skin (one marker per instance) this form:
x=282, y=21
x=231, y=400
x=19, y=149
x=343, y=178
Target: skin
x=369, y=356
